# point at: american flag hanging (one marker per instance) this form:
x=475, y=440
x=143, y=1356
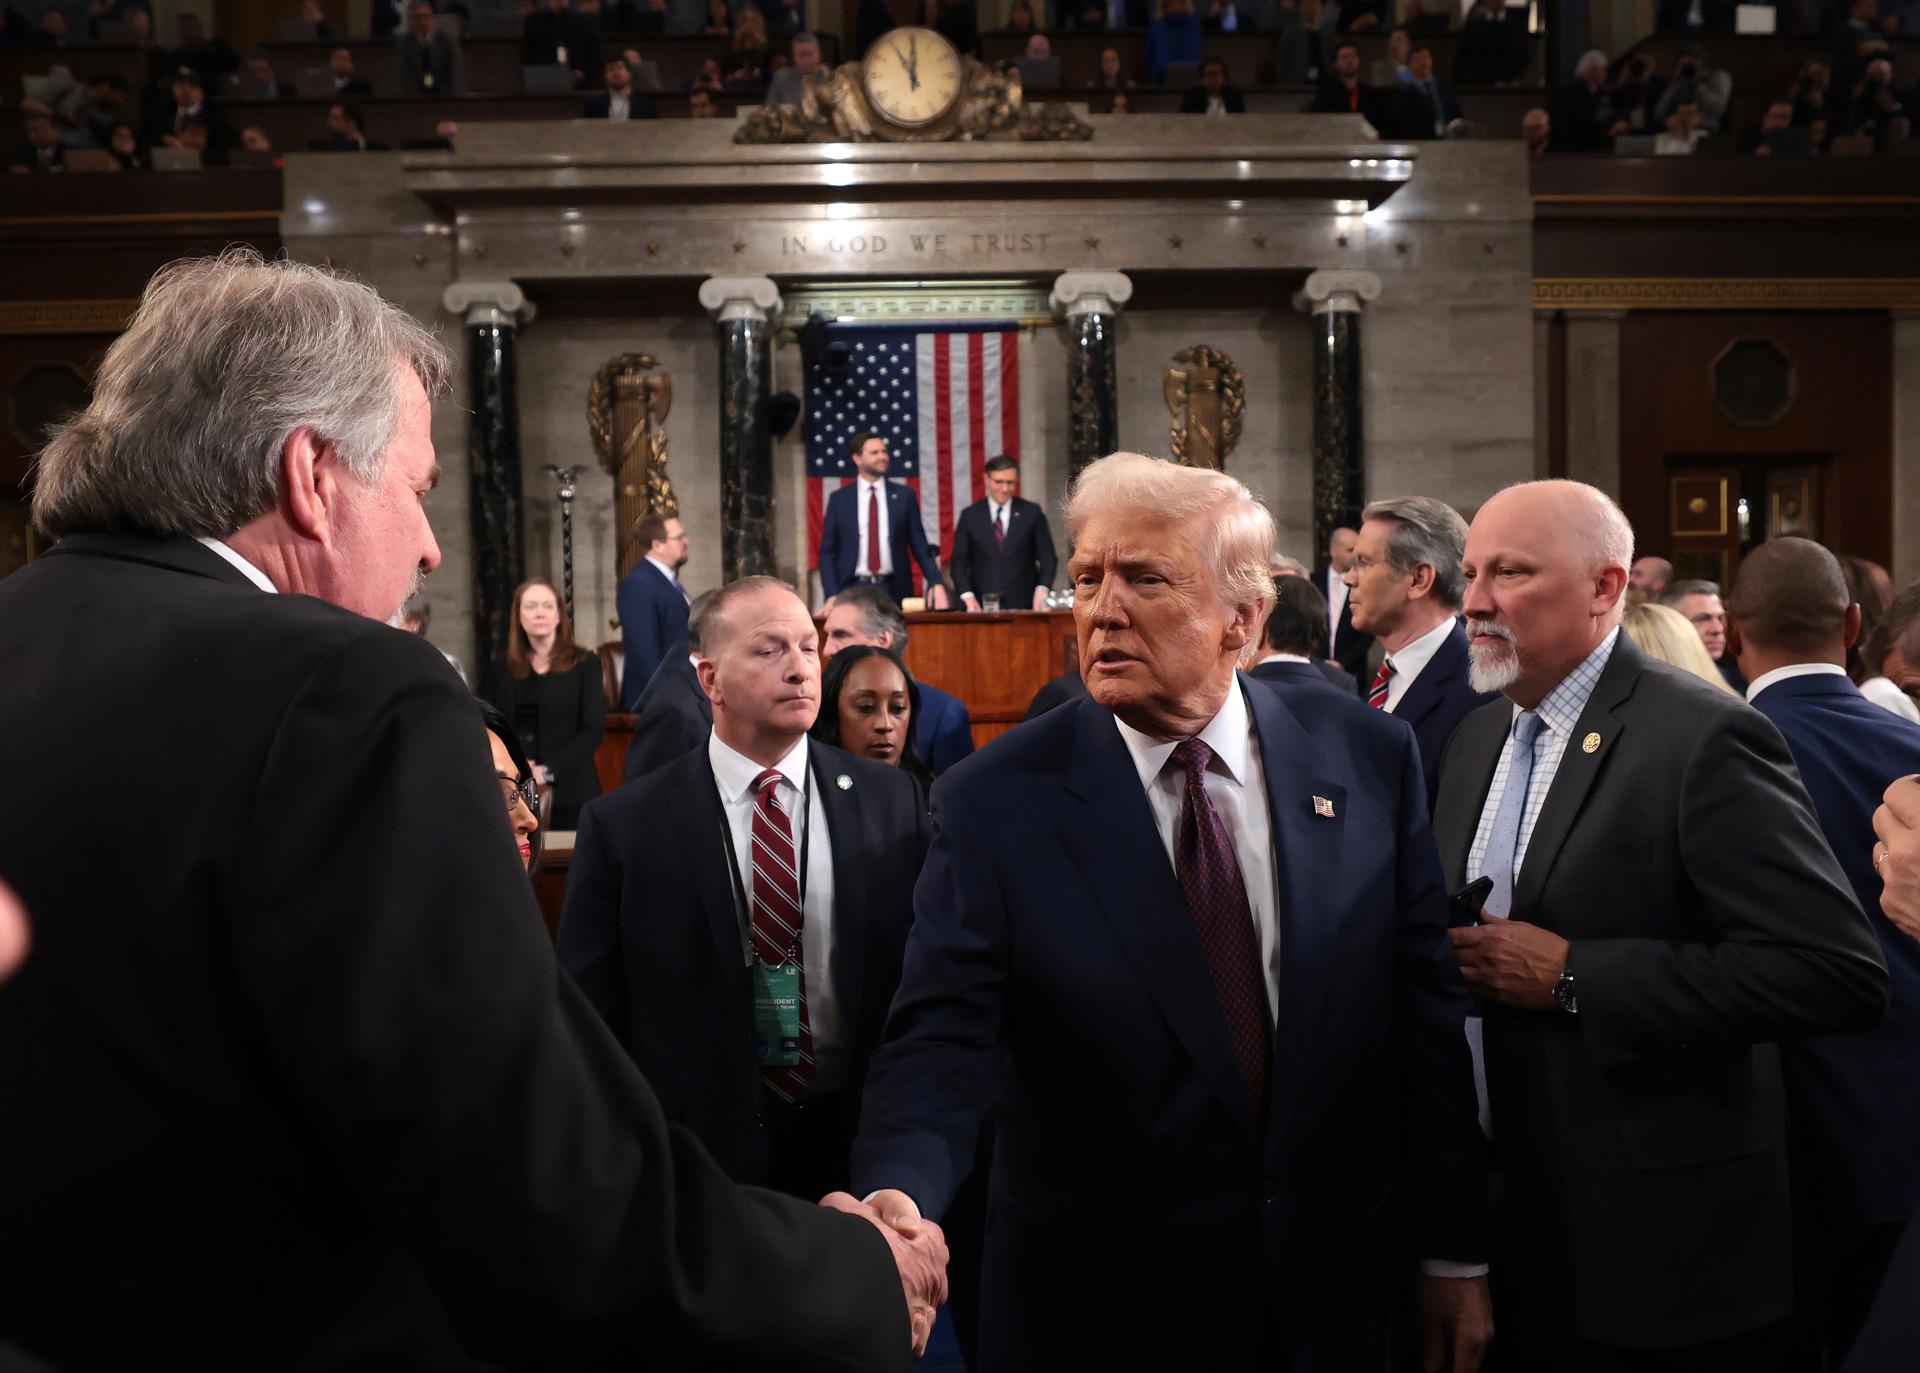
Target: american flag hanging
x=944, y=401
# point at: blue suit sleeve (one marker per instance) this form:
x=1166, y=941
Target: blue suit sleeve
x=917, y=544
x=936, y=1074
x=830, y=546
x=954, y=740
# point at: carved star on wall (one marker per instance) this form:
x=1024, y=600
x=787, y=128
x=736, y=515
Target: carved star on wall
x=1259, y=241
x=739, y=247
x=1092, y=242
x=1174, y=242
x=653, y=250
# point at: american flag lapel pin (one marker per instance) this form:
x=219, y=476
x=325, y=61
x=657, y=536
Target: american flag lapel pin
x=1323, y=808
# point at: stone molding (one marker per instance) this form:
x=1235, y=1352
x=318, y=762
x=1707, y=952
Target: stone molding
x=733, y=298
x=1090, y=293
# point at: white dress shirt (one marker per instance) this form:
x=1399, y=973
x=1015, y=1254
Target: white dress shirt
x=671, y=576
x=1884, y=693
x=1001, y=515
x=618, y=107
x=1408, y=662
x=1791, y=670
x=1336, y=604
x=734, y=773
x=1285, y=658
x=1237, y=785
x=252, y=573
x=864, y=491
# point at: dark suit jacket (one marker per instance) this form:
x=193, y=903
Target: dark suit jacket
x=546, y=32
x=1708, y=920
x=672, y=718
x=1301, y=674
x=907, y=538
x=1436, y=702
x=1855, y=1099
x=651, y=933
x=1055, y=981
x=1415, y=114
x=638, y=106
x=1350, y=646
x=1575, y=119
x=1056, y=692
x=1139, y=14
x=561, y=718
x=288, y=980
x=1892, y=1331
x=984, y=566
x=943, y=734
x=653, y=622
x=439, y=58
x=1195, y=101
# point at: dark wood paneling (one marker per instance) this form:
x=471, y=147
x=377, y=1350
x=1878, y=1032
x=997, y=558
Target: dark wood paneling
x=994, y=663
x=1843, y=411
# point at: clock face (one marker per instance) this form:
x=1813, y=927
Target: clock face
x=913, y=76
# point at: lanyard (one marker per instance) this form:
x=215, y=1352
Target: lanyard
x=743, y=908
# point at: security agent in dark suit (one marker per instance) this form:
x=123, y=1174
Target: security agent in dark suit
x=872, y=528
x=291, y=1076
x=1213, y=94
x=1664, y=910
x=1404, y=589
x=942, y=731
x=1295, y=631
x=1346, y=645
x=1183, y=939
x=673, y=716
x=619, y=100
x=1002, y=546
x=555, y=36
x=651, y=602
x=678, y=916
x=1854, y=1100
x=426, y=57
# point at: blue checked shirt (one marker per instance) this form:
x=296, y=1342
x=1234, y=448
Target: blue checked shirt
x=1559, y=713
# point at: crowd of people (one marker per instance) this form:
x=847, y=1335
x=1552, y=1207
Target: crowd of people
x=1482, y=949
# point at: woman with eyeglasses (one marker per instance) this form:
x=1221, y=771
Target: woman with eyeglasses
x=516, y=783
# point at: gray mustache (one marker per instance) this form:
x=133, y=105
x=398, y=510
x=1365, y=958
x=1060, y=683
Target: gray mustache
x=1491, y=628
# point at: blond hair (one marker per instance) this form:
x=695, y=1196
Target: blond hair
x=1664, y=633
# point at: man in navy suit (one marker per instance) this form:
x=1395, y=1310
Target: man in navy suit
x=942, y=732
x=1184, y=940
x=670, y=891
x=1002, y=546
x=1296, y=630
x=870, y=531
x=673, y=716
x=651, y=602
x=1346, y=644
x=1854, y=1100
x=1404, y=589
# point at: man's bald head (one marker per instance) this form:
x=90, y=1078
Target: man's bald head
x=1792, y=599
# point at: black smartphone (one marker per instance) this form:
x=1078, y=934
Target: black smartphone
x=1463, y=907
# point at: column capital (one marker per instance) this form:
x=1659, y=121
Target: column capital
x=731, y=298
x=488, y=302
x=1328, y=292
x=1090, y=293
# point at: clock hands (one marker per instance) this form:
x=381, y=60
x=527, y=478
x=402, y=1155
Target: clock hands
x=913, y=60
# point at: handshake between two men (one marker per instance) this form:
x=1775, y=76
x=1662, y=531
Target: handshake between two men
x=919, y=1250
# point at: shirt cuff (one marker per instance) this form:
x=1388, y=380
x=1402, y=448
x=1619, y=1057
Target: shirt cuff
x=1442, y=1268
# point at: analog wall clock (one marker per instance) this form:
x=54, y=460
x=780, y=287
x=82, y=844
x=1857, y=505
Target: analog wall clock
x=913, y=79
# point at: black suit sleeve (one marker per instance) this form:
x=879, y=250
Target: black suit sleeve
x=404, y=989
x=960, y=561
x=588, y=945
x=1790, y=953
x=1047, y=561
x=592, y=713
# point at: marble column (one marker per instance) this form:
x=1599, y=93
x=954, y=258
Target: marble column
x=745, y=309
x=1906, y=446
x=493, y=311
x=1089, y=301
x=1339, y=435
x=1593, y=398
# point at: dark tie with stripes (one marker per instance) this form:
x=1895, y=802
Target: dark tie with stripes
x=777, y=919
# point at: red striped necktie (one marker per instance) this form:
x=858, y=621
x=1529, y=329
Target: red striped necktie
x=777, y=918
x=1377, y=693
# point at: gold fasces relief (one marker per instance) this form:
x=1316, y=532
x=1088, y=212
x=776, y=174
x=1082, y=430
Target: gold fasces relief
x=627, y=404
x=835, y=107
x=1208, y=399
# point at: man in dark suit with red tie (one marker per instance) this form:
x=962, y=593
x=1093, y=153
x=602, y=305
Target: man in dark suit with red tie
x=1002, y=546
x=872, y=529
x=652, y=602
x=1184, y=940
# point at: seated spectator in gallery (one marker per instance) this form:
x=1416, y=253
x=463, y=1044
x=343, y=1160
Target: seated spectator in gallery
x=1356, y=16
x=1874, y=104
x=1112, y=75
x=700, y=105
x=1694, y=16
x=719, y=19
x=956, y=21
x=642, y=71
x=346, y=132
x=1582, y=120
x=1683, y=134
x=1343, y=92
x=789, y=82
x=186, y=99
x=255, y=139
x=427, y=58
x=784, y=18
x=1492, y=50
x=1108, y=16
x=40, y=149
x=257, y=81
x=1296, y=43
x=385, y=18
x=108, y=102
x=1698, y=83
x=1120, y=103
x=1661, y=632
x=1020, y=18
x=1392, y=68
x=131, y=155
x=1809, y=91
x=324, y=32
x=212, y=57
x=196, y=136
x=1213, y=95
x=554, y=36
x=347, y=81
x=746, y=63
x=1775, y=125
x=1224, y=16
x=517, y=788
x=868, y=702
x=1636, y=91
x=550, y=689
x=1417, y=17
x=635, y=16
x=102, y=12
x=1173, y=37
x=708, y=78
x=1536, y=131
x=1427, y=108
x=619, y=100
x=64, y=100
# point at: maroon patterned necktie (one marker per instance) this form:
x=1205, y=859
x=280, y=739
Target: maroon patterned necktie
x=873, y=531
x=1217, y=900
x=999, y=525
x=1377, y=693
x=777, y=919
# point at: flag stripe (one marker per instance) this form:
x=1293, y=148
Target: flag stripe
x=977, y=454
x=1010, y=395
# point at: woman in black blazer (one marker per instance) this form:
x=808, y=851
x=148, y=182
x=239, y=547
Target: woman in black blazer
x=550, y=690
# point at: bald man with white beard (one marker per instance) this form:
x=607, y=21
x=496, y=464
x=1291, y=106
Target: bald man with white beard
x=1663, y=910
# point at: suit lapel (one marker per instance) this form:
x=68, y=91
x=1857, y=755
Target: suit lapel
x=702, y=830
x=846, y=836
x=1423, y=695
x=1580, y=767
x=1308, y=854
x=1118, y=850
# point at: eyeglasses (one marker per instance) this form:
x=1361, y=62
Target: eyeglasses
x=526, y=793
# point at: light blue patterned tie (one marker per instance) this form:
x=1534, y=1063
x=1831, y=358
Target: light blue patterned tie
x=1503, y=840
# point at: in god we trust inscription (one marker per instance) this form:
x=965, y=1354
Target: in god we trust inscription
x=861, y=244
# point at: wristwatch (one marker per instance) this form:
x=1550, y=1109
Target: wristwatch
x=1563, y=996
